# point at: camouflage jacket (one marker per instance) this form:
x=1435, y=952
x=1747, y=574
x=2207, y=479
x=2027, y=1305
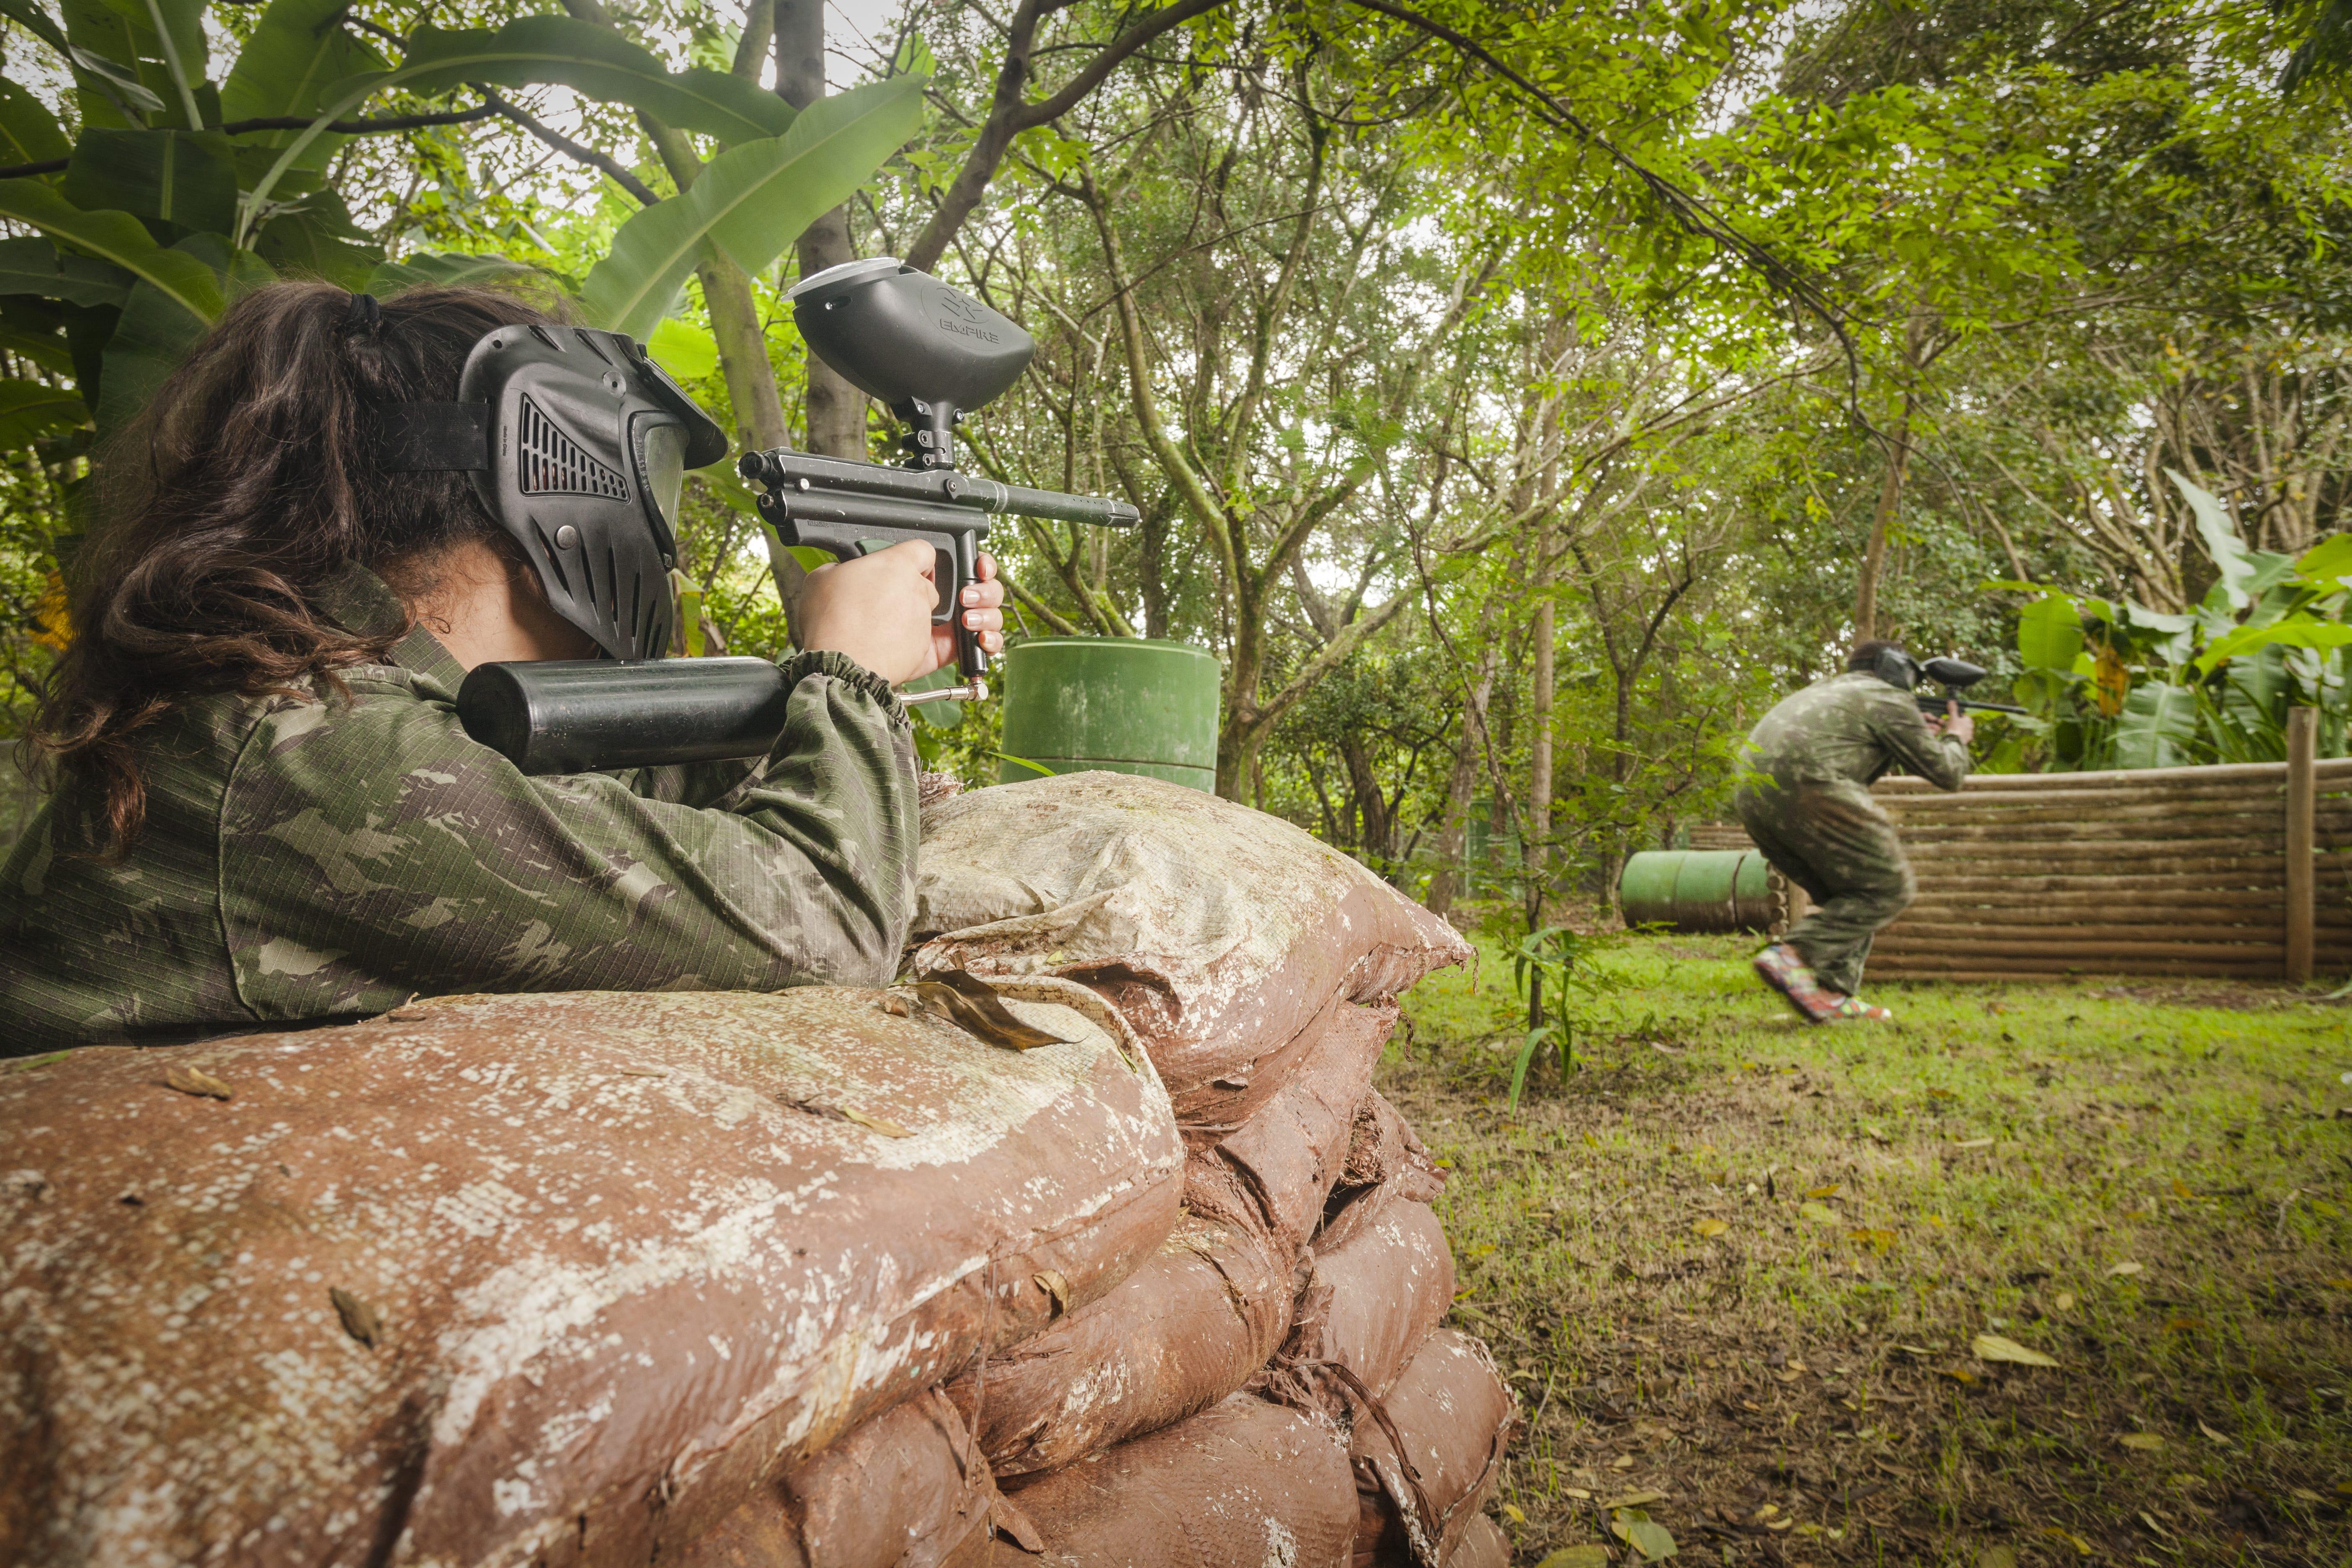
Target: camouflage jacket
x=1850, y=729
x=317, y=859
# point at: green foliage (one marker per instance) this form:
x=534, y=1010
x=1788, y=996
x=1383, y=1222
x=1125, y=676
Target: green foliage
x=752, y=202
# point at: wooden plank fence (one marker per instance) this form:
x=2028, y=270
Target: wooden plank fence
x=2242, y=872
x=2239, y=871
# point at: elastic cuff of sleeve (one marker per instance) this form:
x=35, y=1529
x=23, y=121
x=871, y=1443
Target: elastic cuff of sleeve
x=850, y=673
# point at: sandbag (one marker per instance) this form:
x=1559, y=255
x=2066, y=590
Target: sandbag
x=1386, y=1163
x=1218, y=932
x=1484, y=1545
x=1367, y=1305
x=1243, y=1485
x=907, y=1490
x=1277, y=1168
x=1455, y=1416
x=1185, y=1329
x=551, y=1278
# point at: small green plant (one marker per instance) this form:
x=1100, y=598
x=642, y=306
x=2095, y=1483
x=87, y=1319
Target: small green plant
x=1548, y=967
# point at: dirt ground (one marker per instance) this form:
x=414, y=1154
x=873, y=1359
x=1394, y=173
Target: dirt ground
x=1739, y=1270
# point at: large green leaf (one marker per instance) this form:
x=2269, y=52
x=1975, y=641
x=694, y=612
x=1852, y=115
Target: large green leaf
x=29, y=133
x=48, y=350
x=752, y=201
x=2229, y=554
x=179, y=29
x=105, y=46
x=33, y=266
x=30, y=410
x=2049, y=633
x=446, y=271
x=154, y=333
x=2327, y=563
x=316, y=239
x=117, y=238
x=592, y=60
x=2157, y=728
x=587, y=58
x=296, y=49
x=175, y=176
x=2293, y=631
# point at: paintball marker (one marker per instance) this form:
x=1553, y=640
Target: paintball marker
x=932, y=354
x=1955, y=676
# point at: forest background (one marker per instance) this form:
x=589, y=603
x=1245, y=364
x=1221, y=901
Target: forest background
x=1520, y=399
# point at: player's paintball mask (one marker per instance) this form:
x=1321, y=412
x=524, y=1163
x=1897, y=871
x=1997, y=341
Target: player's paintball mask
x=577, y=443
x=1898, y=668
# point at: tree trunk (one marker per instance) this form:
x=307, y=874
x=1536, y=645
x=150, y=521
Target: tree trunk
x=1874, y=557
x=836, y=410
x=1376, y=831
x=1446, y=886
x=1535, y=848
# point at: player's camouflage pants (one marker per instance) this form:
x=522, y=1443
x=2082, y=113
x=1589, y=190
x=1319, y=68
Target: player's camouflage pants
x=1833, y=841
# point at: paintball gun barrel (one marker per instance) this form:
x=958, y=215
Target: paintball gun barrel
x=929, y=352
x=1955, y=676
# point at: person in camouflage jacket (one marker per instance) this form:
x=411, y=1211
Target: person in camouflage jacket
x=1804, y=797
x=325, y=844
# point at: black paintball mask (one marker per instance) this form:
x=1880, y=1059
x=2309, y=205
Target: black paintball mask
x=1898, y=668
x=578, y=444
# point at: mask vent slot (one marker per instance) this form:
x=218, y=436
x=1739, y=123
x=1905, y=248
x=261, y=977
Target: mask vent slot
x=551, y=463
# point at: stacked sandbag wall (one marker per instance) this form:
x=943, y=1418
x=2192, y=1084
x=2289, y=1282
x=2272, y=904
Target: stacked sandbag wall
x=829, y=1279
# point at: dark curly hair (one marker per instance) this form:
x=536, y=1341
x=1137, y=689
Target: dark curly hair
x=251, y=481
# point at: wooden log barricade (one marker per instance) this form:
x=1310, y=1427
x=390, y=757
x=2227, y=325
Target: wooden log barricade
x=2239, y=871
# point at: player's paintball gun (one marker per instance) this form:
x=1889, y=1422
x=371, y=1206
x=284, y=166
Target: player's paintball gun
x=1955, y=676
x=931, y=354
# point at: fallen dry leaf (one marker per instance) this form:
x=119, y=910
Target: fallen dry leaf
x=2122, y=1270
x=2064, y=1300
x=1589, y=1555
x=971, y=1005
x=1996, y=1557
x=2216, y=1436
x=1817, y=1211
x=882, y=1125
x=1010, y=1522
x=2147, y=1441
x=198, y=1082
x=1997, y=1347
x=1973, y=1144
x=1709, y=1226
x=362, y=1320
x=1829, y=1192
x=1513, y=1515
x=2070, y=1538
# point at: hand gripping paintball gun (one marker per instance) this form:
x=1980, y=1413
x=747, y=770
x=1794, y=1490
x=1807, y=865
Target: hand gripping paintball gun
x=932, y=354
x=1955, y=676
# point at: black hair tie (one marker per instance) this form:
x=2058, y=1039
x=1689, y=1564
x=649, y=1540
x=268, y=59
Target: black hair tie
x=365, y=316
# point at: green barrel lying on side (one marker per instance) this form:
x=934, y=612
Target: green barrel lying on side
x=1697, y=889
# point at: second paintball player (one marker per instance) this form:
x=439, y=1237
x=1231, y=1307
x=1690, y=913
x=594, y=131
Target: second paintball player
x=1804, y=798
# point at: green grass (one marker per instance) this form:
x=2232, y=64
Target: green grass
x=1801, y=1384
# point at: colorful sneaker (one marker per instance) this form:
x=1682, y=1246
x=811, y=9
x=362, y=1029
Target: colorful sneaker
x=1852, y=1008
x=1782, y=968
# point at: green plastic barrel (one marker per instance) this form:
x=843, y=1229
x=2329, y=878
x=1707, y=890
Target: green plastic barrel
x=1129, y=705
x=1697, y=889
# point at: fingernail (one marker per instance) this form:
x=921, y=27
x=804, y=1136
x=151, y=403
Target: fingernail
x=971, y=594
